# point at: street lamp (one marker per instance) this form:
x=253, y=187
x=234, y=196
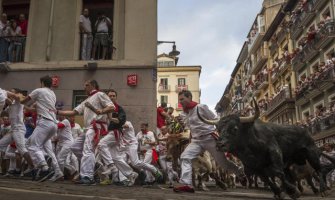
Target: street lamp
x=174, y=53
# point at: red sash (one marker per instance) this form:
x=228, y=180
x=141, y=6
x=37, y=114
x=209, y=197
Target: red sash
x=102, y=131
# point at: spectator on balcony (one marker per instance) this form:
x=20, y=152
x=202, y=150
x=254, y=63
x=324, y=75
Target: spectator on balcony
x=4, y=42
x=102, y=26
x=311, y=34
x=326, y=18
x=23, y=24
x=330, y=60
x=15, y=45
x=86, y=35
x=322, y=67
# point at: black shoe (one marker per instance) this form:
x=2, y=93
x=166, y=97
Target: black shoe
x=86, y=181
x=44, y=175
x=34, y=173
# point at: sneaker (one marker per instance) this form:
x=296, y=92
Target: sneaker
x=44, y=175
x=109, y=170
x=158, y=176
x=57, y=177
x=132, y=178
x=86, y=181
x=10, y=173
x=106, y=182
x=183, y=188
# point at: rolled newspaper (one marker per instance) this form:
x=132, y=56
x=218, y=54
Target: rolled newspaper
x=90, y=106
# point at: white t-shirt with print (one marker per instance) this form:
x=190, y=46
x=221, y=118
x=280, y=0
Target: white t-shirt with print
x=45, y=100
x=141, y=137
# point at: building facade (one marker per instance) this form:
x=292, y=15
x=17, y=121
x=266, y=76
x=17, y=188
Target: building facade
x=53, y=47
x=172, y=79
x=292, y=72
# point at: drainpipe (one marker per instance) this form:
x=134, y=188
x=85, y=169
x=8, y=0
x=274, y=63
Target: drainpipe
x=50, y=30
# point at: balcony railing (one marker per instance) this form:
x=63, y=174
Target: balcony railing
x=273, y=48
x=319, y=124
x=255, y=41
x=296, y=28
x=12, y=48
x=260, y=60
x=318, y=4
x=325, y=35
x=180, y=88
x=284, y=95
x=96, y=46
x=282, y=35
x=163, y=88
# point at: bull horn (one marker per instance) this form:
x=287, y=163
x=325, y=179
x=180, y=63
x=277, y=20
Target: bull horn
x=254, y=117
x=207, y=121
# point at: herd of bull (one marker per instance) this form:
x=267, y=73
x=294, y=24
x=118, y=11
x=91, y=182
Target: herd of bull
x=280, y=155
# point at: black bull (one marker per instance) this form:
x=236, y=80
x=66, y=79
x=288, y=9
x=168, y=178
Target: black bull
x=268, y=149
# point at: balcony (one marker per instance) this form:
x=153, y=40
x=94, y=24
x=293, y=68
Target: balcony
x=298, y=61
x=264, y=83
x=98, y=51
x=318, y=5
x=12, y=48
x=324, y=82
x=273, y=48
x=309, y=51
x=255, y=41
x=283, y=68
x=326, y=35
x=164, y=88
x=274, y=77
x=283, y=98
x=282, y=35
x=306, y=17
x=180, y=88
x=260, y=60
x=296, y=29
x=257, y=92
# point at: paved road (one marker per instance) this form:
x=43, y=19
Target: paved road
x=14, y=189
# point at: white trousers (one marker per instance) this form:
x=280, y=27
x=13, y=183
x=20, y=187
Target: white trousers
x=86, y=48
x=195, y=148
x=10, y=154
x=147, y=159
x=104, y=148
x=16, y=134
x=40, y=139
x=63, y=153
x=167, y=168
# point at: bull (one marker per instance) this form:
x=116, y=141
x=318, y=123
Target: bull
x=268, y=149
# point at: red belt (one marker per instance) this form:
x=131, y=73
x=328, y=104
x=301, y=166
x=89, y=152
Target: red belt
x=98, y=131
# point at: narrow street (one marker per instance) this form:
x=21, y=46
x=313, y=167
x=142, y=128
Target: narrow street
x=13, y=189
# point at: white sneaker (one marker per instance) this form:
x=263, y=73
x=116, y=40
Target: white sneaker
x=109, y=170
x=132, y=178
x=57, y=177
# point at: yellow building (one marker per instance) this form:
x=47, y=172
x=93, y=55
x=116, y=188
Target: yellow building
x=289, y=68
x=172, y=79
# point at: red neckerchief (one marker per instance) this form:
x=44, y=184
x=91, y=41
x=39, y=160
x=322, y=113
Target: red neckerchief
x=116, y=107
x=144, y=132
x=72, y=124
x=190, y=106
x=6, y=124
x=93, y=92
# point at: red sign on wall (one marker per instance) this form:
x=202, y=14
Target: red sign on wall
x=55, y=81
x=132, y=79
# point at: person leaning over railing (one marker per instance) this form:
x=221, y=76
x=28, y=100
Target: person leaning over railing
x=15, y=46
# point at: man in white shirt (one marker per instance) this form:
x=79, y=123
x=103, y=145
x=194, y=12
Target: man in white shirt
x=18, y=129
x=75, y=128
x=46, y=126
x=203, y=138
x=86, y=35
x=101, y=36
x=95, y=122
x=147, y=143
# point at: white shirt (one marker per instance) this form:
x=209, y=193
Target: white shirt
x=102, y=26
x=149, y=137
x=45, y=100
x=76, y=131
x=128, y=134
x=86, y=23
x=3, y=97
x=15, y=112
x=65, y=134
x=325, y=161
x=196, y=126
x=99, y=100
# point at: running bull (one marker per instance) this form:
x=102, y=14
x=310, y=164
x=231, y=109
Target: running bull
x=268, y=149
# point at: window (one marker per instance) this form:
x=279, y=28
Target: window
x=78, y=97
x=181, y=81
x=164, y=81
x=164, y=99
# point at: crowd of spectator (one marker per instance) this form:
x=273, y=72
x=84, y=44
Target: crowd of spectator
x=13, y=34
x=323, y=119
